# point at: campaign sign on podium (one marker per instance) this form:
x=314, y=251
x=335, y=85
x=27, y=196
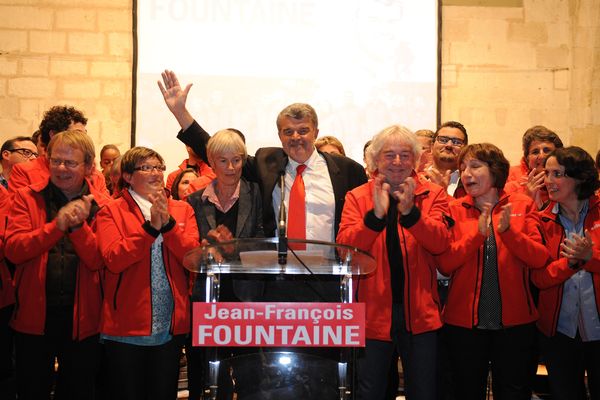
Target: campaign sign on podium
x=279, y=324
x=275, y=322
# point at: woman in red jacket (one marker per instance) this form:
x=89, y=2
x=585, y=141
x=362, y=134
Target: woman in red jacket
x=399, y=220
x=143, y=237
x=528, y=177
x=57, y=279
x=569, y=303
x=489, y=317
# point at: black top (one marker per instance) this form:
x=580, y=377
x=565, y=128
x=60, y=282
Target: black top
x=392, y=242
x=229, y=219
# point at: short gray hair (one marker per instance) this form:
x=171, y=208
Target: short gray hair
x=298, y=111
x=223, y=141
x=396, y=133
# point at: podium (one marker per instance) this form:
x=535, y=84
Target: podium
x=323, y=275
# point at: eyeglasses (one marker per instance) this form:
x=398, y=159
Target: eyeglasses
x=57, y=162
x=445, y=139
x=556, y=174
x=151, y=168
x=25, y=152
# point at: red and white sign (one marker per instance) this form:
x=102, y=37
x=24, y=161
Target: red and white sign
x=279, y=324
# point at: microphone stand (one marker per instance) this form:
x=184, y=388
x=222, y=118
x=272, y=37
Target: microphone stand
x=282, y=245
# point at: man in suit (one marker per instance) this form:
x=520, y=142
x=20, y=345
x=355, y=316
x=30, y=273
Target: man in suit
x=327, y=178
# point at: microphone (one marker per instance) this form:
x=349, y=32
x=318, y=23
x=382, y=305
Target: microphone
x=282, y=224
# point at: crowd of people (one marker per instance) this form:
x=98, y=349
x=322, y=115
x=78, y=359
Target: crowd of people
x=480, y=266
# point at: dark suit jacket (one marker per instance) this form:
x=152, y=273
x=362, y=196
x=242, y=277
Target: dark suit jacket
x=265, y=166
x=248, y=225
x=249, y=218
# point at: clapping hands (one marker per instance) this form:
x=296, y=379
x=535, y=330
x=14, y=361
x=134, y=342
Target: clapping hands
x=74, y=213
x=159, y=213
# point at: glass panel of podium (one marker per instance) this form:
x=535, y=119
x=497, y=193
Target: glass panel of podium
x=266, y=270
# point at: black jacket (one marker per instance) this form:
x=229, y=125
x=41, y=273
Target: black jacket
x=265, y=166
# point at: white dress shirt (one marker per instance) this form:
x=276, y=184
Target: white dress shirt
x=320, y=199
x=453, y=184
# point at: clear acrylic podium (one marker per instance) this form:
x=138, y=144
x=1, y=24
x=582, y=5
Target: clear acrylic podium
x=321, y=272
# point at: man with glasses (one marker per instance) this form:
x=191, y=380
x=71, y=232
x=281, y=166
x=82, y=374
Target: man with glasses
x=58, y=271
x=448, y=140
x=15, y=151
x=56, y=119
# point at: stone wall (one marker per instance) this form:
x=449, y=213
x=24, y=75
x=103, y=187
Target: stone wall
x=65, y=52
x=506, y=65
x=515, y=64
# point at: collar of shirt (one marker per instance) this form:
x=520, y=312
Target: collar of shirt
x=310, y=163
x=142, y=203
x=454, y=177
x=211, y=194
x=568, y=225
x=453, y=183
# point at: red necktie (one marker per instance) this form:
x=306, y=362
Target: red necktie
x=297, y=210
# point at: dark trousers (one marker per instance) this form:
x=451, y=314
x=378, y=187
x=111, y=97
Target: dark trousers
x=77, y=366
x=418, y=354
x=508, y=351
x=7, y=368
x=143, y=372
x=6, y=343
x=445, y=380
x=567, y=360
x=445, y=384
x=196, y=370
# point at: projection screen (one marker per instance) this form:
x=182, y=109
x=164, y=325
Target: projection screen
x=362, y=64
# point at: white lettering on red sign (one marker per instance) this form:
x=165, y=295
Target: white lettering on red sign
x=279, y=324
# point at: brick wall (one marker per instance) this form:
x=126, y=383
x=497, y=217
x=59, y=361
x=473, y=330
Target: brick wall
x=506, y=65
x=64, y=52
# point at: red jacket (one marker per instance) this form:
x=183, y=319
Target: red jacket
x=519, y=248
x=126, y=248
x=7, y=289
x=428, y=235
x=517, y=175
x=551, y=279
x=28, y=239
x=458, y=192
x=516, y=187
x=34, y=171
x=205, y=176
x=517, y=171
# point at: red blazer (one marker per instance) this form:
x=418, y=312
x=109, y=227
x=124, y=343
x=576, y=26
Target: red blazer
x=428, y=235
x=7, y=288
x=519, y=248
x=125, y=246
x=205, y=172
x=28, y=239
x=34, y=171
x=551, y=279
